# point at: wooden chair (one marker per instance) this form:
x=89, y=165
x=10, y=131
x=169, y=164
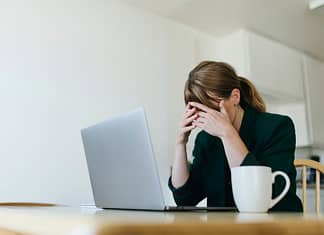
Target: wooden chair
x=319, y=168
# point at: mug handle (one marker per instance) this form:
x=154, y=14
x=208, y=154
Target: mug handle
x=284, y=192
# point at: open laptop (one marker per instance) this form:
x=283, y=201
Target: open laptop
x=122, y=167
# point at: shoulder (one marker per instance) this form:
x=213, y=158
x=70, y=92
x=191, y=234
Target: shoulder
x=272, y=121
x=271, y=126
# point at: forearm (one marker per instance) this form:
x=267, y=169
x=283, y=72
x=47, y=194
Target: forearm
x=235, y=149
x=180, y=171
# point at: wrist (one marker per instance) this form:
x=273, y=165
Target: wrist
x=229, y=132
x=180, y=145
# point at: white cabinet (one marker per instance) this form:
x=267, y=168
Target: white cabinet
x=297, y=112
x=276, y=70
x=314, y=84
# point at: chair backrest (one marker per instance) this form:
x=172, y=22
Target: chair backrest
x=319, y=168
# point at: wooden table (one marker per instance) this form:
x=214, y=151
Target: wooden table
x=91, y=221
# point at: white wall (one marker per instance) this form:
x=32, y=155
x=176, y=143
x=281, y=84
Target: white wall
x=67, y=64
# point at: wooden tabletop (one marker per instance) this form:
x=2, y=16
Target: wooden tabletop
x=90, y=221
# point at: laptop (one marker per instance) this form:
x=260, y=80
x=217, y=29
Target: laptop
x=122, y=166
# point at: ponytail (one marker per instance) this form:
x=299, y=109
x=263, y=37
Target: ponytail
x=250, y=96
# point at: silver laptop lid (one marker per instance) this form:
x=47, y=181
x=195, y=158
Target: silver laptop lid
x=121, y=163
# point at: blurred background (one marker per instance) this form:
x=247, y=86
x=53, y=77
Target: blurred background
x=67, y=64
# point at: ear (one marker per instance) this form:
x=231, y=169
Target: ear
x=236, y=96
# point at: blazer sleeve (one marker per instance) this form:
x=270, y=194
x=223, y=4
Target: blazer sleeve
x=192, y=192
x=278, y=152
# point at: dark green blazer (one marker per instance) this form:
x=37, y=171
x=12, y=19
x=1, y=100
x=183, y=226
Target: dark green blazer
x=270, y=139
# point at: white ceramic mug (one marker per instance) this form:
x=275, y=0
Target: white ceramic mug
x=252, y=188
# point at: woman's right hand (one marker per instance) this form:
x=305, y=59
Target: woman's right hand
x=186, y=126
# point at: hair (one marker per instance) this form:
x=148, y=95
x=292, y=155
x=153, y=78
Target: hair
x=210, y=78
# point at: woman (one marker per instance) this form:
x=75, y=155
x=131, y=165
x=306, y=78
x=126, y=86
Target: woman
x=236, y=131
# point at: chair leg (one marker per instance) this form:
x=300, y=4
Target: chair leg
x=304, y=188
x=317, y=201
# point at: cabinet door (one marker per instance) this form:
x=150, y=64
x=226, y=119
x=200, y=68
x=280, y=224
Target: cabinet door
x=314, y=77
x=274, y=68
x=297, y=112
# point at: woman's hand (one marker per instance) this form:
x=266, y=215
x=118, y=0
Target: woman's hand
x=212, y=121
x=186, y=125
x=219, y=124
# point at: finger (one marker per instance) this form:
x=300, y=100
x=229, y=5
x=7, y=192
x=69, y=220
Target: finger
x=189, y=120
x=188, y=128
x=214, y=114
x=200, y=125
x=200, y=106
x=203, y=114
x=189, y=113
x=187, y=110
x=200, y=120
x=222, y=108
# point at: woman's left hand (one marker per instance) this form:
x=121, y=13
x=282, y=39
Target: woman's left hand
x=212, y=121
